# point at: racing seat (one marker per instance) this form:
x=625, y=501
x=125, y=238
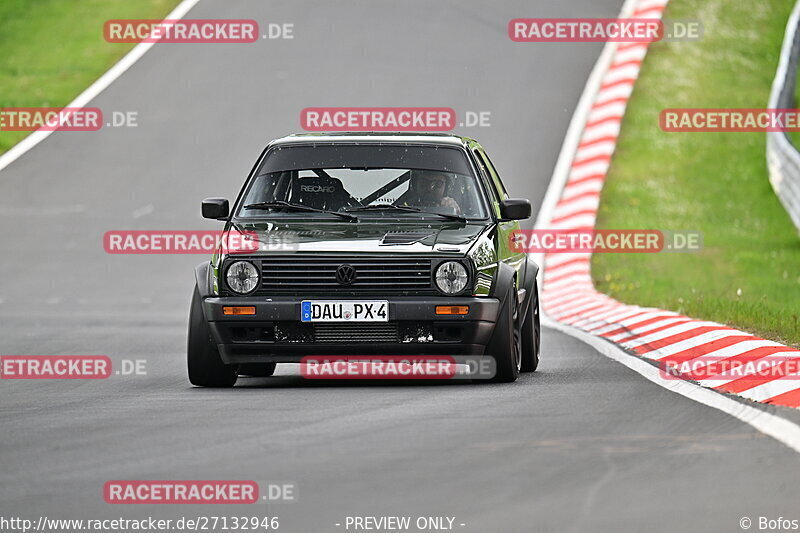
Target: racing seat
x=320, y=192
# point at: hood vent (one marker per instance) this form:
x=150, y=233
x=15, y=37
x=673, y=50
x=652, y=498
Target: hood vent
x=404, y=237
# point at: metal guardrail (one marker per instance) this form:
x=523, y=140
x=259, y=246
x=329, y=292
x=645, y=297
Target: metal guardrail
x=783, y=158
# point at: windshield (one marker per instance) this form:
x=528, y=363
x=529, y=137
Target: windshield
x=370, y=181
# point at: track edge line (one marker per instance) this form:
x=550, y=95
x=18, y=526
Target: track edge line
x=98, y=86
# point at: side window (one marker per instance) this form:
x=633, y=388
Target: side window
x=487, y=179
x=493, y=173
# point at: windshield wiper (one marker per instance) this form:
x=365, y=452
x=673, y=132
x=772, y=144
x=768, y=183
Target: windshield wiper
x=448, y=216
x=379, y=207
x=410, y=209
x=281, y=204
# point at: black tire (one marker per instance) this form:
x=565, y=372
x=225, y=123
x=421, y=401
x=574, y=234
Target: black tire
x=505, y=344
x=205, y=366
x=531, y=335
x=257, y=370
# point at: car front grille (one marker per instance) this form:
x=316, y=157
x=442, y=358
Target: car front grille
x=363, y=332
x=294, y=332
x=318, y=275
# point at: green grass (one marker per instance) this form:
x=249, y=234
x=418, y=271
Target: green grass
x=51, y=50
x=748, y=273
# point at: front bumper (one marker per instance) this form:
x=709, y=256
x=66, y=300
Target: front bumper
x=275, y=333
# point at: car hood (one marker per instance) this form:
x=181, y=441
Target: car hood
x=346, y=237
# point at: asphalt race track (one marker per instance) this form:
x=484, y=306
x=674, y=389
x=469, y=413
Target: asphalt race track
x=584, y=444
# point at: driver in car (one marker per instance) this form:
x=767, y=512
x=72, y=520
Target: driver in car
x=426, y=188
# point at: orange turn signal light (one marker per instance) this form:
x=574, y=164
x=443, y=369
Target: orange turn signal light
x=238, y=310
x=452, y=309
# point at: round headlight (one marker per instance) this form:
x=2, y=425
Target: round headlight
x=242, y=277
x=451, y=277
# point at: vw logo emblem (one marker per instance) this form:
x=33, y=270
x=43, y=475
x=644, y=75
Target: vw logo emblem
x=345, y=274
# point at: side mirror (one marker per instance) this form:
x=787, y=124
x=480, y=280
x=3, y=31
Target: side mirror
x=216, y=208
x=515, y=209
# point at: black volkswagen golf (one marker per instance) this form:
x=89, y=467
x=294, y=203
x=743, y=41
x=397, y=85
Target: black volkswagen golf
x=365, y=244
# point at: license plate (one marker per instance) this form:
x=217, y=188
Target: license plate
x=338, y=311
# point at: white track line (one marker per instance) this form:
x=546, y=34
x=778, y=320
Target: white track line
x=776, y=427
x=94, y=89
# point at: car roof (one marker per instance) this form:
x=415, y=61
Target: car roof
x=375, y=137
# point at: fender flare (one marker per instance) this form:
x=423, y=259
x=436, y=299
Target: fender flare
x=502, y=289
x=531, y=272
x=503, y=280
x=202, y=277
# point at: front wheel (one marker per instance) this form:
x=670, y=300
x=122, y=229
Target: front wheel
x=505, y=345
x=205, y=366
x=531, y=335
